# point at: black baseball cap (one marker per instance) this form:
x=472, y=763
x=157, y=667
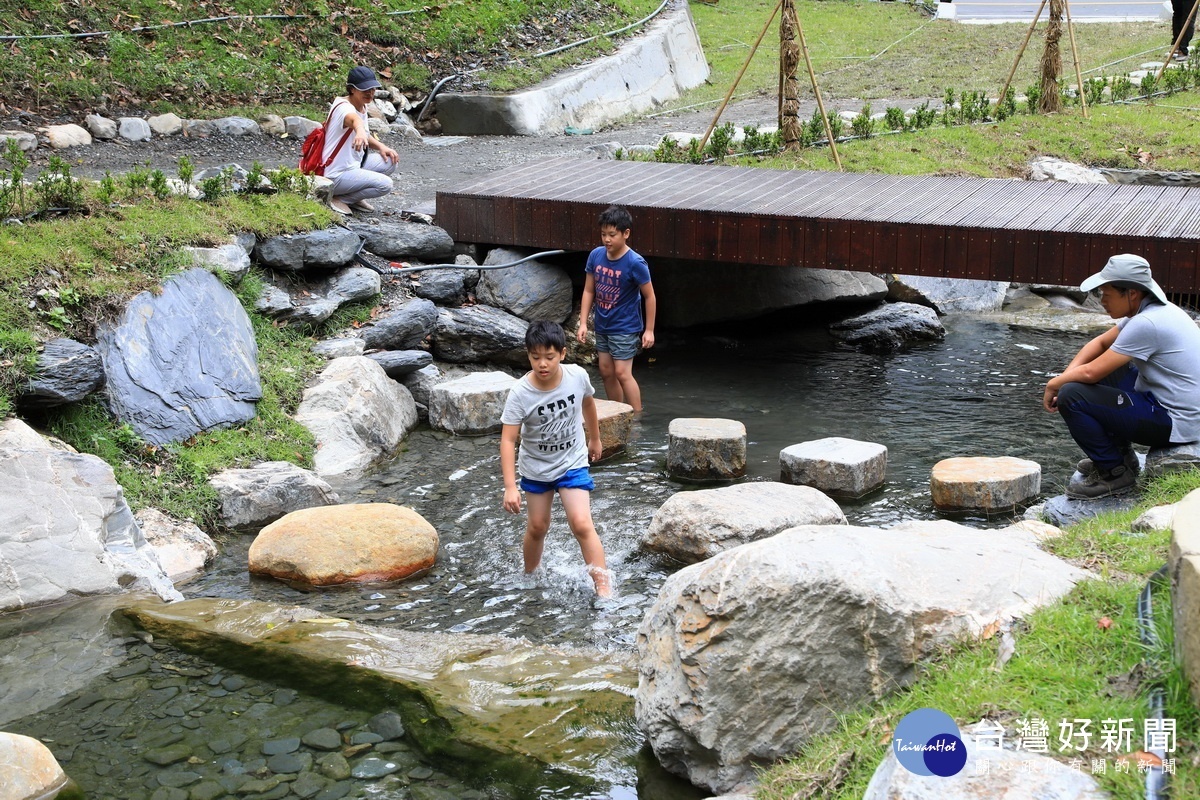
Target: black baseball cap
x=363, y=78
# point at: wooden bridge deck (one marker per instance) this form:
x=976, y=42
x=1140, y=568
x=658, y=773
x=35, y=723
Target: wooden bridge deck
x=1009, y=230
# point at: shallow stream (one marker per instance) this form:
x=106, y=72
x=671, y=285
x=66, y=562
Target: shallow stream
x=977, y=393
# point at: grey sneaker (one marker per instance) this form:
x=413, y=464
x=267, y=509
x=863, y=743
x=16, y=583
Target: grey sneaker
x=1097, y=485
x=1087, y=468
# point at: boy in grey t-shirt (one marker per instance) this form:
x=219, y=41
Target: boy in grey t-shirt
x=551, y=410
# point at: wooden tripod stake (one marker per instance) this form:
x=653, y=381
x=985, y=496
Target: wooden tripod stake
x=1021, y=52
x=817, y=91
x=712, y=126
x=1075, y=56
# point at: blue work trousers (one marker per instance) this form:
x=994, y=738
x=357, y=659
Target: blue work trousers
x=1105, y=418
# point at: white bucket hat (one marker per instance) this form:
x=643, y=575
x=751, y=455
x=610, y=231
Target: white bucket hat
x=1128, y=268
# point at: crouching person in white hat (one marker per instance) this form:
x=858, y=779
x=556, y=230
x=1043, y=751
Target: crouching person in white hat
x=1139, y=382
x=359, y=165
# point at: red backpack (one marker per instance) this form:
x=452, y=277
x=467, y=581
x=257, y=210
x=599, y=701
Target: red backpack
x=314, y=146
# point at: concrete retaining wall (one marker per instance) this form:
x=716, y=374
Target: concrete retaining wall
x=646, y=72
x=1185, y=588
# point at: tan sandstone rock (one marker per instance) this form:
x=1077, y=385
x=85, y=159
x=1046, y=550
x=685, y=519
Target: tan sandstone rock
x=330, y=545
x=616, y=426
x=988, y=484
x=28, y=768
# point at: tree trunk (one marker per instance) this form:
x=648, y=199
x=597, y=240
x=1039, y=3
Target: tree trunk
x=1051, y=100
x=789, y=86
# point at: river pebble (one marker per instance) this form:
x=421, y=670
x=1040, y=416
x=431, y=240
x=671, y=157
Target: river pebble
x=322, y=739
x=278, y=746
x=388, y=725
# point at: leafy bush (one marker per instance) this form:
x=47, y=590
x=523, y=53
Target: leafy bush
x=12, y=180
x=187, y=170
x=1121, y=88
x=862, y=125
x=894, y=119
x=949, y=114
x=55, y=188
x=720, y=142
x=1033, y=96
x=923, y=116
x=159, y=186
x=1007, y=106
x=1093, y=90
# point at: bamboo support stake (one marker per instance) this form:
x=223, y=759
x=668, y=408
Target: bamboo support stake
x=1075, y=56
x=1021, y=52
x=1178, y=39
x=712, y=126
x=817, y=91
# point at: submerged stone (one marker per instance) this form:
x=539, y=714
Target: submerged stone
x=499, y=708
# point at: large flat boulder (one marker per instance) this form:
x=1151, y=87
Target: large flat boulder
x=470, y=405
x=745, y=656
x=948, y=295
x=702, y=292
x=504, y=709
x=181, y=361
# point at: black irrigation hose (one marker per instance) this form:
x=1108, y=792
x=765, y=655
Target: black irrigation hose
x=1156, y=783
x=391, y=270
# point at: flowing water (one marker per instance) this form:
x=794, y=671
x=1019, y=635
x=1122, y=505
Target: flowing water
x=976, y=394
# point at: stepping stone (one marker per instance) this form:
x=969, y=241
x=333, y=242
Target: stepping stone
x=471, y=405
x=845, y=467
x=616, y=426
x=706, y=449
x=1176, y=458
x=984, y=484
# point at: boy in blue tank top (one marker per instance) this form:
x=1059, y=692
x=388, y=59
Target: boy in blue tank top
x=617, y=284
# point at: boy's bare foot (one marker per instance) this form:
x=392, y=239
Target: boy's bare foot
x=602, y=580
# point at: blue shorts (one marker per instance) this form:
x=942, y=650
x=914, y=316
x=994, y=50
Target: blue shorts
x=621, y=346
x=571, y=479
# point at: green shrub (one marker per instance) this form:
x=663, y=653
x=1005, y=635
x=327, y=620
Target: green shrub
x=923, y=116
x=894, y=119
x=187, y=170
x=720, y=142
x=55, y=188
x=1033, y=95
x=862, y=125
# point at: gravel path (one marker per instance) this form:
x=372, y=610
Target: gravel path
x=437, y=163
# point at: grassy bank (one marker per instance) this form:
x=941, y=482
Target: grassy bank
x=240, y=57
x=870, y=50
x=65, y=277
x=1080, y=658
